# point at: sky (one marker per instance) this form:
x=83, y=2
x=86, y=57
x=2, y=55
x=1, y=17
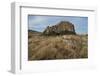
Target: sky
x=40, y=22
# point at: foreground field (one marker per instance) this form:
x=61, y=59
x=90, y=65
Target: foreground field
x=57, y=47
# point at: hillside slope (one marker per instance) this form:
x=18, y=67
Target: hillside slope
x=57, y=47
x=59, y=41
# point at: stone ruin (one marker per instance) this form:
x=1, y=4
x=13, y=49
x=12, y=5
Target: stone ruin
x=62, y=28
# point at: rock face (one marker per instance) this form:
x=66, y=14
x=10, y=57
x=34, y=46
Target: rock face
x=62, y=28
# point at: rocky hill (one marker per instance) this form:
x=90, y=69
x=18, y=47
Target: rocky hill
x=59, y=41
x=62, y=28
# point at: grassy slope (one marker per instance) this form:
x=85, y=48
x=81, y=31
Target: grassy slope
x=56, y=47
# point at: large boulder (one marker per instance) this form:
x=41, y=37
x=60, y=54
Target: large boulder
x=62, y=28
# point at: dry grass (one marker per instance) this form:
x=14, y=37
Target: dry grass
x=57, y=47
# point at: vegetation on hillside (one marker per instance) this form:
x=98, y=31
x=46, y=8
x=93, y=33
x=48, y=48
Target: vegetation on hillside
x=42, y=47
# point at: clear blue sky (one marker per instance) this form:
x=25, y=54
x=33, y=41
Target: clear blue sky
x=39, y=23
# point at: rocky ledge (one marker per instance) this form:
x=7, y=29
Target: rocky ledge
x=62, y=28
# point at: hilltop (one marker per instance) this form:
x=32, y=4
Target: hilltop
x=62, y=28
